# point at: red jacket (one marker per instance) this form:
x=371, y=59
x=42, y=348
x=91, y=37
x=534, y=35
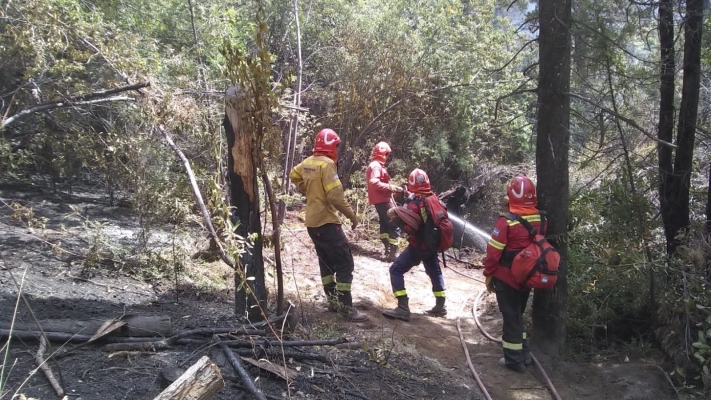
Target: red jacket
x=507, y=239
x=416, y=236
x=379, y=188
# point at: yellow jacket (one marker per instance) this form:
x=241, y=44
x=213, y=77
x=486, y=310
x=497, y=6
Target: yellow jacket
x=317, y=177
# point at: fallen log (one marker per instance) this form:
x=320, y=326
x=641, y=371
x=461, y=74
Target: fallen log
x=200, y=382
x=69, y=337
x=135, y=326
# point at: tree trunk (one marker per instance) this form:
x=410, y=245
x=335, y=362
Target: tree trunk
x=678, y=216
x=549, y=306
x=244, y=198
x=707, y=226
x=666, y=120
x=200, y=382
x=675, y=170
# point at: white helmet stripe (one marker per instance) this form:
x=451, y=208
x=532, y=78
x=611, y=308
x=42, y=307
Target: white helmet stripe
x=328, y=141
x=520, y=194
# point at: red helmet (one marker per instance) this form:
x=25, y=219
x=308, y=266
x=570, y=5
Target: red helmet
x=522, y=192
x=327, y=141
x=419, y=182
x=381, y=151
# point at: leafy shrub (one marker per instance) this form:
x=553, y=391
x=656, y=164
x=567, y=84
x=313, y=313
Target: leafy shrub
x=685, y=314
x=609, y=268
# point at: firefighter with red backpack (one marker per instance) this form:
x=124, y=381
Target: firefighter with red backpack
x=380, y=194
x=317, y=178
x=416, y=219
x=510, y=236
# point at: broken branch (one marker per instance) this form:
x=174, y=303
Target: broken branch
x=200, y=382
x=198, y=197
x=39, y=357
x=61, y=104
x=239, y=368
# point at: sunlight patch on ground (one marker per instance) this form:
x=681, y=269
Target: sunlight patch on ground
x=521, y=394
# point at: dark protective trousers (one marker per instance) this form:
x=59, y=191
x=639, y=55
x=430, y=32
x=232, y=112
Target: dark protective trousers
x=408, y=259
x=512, y=304
x=389, y=230
x=334, y=259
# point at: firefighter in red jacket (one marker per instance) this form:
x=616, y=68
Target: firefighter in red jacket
x=380, y=194
x=317, y=177
x=507, y=239
x=413, y=216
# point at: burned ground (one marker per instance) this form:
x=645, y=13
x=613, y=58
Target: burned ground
x=419, y=359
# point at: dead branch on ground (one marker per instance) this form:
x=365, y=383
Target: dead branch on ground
x=239, y=368
x=41, y=363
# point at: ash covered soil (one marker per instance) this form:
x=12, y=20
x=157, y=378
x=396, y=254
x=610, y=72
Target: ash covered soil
x=75, y=257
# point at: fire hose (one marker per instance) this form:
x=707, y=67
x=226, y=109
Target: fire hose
x=554, y=392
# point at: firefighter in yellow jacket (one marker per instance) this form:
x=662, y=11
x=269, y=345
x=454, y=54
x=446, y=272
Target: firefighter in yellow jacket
x=317, y=178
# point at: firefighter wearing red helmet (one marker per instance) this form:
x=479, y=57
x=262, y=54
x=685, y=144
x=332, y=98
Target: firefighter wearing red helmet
x=417, y=251
x=507, y=239
x=380, y=194
x=317, y=178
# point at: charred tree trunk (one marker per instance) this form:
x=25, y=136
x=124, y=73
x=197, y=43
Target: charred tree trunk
x=549, y=306
x=250, y=290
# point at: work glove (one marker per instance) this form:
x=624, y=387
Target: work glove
x=392, y=215
x=490, y=284
x=396, y=189
x=354, y=222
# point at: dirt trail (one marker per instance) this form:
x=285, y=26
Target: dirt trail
x=419, y=359
x=438, y=338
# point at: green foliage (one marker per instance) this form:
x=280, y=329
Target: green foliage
x=608, y=278
x=418, y=75
x=252, y=74
x=685, y=309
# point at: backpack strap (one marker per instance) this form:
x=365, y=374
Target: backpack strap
x=515, y=217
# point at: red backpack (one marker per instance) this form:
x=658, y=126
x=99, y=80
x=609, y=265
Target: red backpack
x=439, y=232
x=536, y=266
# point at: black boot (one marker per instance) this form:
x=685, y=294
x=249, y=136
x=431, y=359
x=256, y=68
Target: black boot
x=512, y=367
x=439, y=310
x=386, y=246
x=346, y=309
x=401, y=312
